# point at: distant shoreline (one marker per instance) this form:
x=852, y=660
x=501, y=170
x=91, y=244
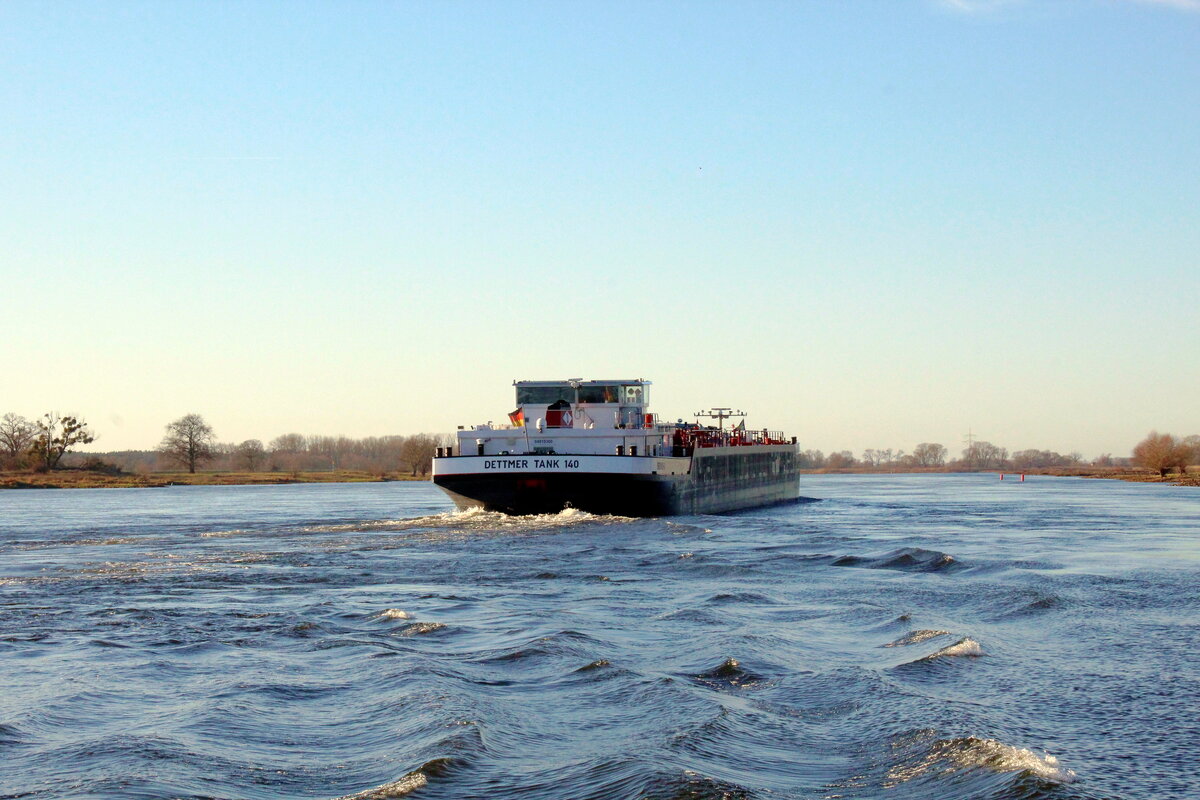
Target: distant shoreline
x=1130, y=474
x=95, y=479
x=99, y=479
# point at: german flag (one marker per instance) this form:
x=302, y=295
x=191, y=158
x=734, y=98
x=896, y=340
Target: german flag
x=517, y=418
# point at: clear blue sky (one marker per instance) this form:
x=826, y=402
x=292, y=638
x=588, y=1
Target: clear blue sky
x=870, y=223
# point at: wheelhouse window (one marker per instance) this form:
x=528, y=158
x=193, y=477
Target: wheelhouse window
x=599, y=394
x=544, y=395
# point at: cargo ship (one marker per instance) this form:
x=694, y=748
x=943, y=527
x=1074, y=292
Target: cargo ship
x=595, y=446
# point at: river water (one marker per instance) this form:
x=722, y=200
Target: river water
x=906, y=637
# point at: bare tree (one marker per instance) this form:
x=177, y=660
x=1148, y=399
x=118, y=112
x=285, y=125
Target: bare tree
x=417, y=453
x=929, y=454
x=811, y=459
x=16, y=435
x=1161, y=452
x=390, y=455
x=289, y=443
x=1192, y=443
x=250, y=454
x=983, y=455
x=56, y=435
x=840, y=460
x=1034, y=459
x=189, y=441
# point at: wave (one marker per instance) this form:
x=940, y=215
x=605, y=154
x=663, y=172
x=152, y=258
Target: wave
x=9, y=734
x=965, y=647
x=407, y=783
x=699, y=615
x=421, y=628
x=729, y=674
x=908, y=559
x=1043, y=603
x=566, y=643
x=916, y=637
x=1031, y=603
x=392, y=613
x=478, y=519
x=944, y=757
x=691, y=785
x=724, y=598
x=109, y=643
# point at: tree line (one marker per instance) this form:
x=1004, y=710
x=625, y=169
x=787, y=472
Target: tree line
x=190, y=443
x=40, y=443
x=1158, y=452
x=1163, y=452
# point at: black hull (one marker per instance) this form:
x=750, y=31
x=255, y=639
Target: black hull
x=623, y=495
x=720, y=480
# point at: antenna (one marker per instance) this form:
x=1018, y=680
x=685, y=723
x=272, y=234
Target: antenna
x=720, y=415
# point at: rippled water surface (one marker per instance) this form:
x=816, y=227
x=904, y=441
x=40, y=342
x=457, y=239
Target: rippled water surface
x=906, y=637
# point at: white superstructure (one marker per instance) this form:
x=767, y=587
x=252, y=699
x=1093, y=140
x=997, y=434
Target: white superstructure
x=574, y=417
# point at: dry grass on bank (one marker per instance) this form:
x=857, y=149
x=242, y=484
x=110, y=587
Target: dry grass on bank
x=1134, y=474
x=91, y=479
x=1123, y=474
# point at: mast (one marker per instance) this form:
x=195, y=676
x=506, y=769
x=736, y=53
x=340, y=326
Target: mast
x=720, y=415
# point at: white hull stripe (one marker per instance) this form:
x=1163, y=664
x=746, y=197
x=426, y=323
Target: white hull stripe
x=611, y=465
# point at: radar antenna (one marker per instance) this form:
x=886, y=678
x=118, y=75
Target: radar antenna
x=720, y=415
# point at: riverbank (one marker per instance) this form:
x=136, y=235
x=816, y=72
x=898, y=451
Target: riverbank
x=97, y=479
x=1121, y=474
x=1131, y=474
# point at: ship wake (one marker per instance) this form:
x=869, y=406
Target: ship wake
x=478, y=519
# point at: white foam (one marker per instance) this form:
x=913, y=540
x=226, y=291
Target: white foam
x=393, y=613
x=953, y=755
x=916, y=637
x=965, y=646
x=366, y=525
x=102, y=542
x=398, y=788
x=475, y=519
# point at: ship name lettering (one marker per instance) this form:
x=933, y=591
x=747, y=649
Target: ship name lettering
x=506, y=463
